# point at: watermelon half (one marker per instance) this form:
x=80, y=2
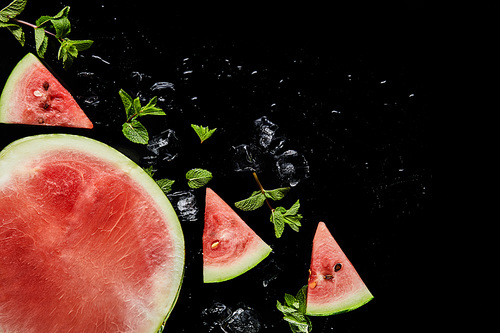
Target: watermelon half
x=334, y=285
x=230, y=246
x=88, y=241
x=33, y=96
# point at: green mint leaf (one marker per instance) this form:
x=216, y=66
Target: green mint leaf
x=165, y=184
x=256, y=200
x=198, y=177
x=277, y=194
x=149, y=171
x=127, y=103
x=290, y=300
x=135, y=132
x=62, y=13
x=294, y=311
x=62, y=27
x=280, y=216
x=16, y=30
x=203, y=132
x=283, y=308
x=302, y=298
x=82, y=45
x=12, y=10
x=151, y=109
x=278, y=221
x=67, y=53
x=136, y=105
x=41, y=41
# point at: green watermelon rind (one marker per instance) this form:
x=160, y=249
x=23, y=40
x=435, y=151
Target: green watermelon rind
x=13, y=81
x=328, y=309
x=215, y=274
x=33, y=146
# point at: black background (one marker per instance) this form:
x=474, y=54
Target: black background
x=349, y=87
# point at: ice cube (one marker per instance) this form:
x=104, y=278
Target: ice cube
x=164, y=145
x=246, y=158
x=213, y=316
x=292, y=167
x=185, y=205
x=242, y=320
x=266, y=130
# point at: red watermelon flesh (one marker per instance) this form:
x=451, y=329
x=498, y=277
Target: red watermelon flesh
x=88, y=242
x=230, y=246
x=334, y=286
x=33, y=96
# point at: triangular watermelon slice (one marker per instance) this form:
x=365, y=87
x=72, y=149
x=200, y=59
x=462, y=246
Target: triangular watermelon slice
x=88, y=241
x=334, y=285
x=230, y=246
x=33, y=96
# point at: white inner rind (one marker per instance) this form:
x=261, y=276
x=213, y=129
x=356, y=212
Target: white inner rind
x=253, y=256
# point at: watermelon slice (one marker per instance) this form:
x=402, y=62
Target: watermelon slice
x=88, y=241
x=230, y=246
x=33, y=96
x=334, y=285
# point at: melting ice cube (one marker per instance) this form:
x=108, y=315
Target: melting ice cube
x=185, y=205
x=266, y=130
x=292, y=167
x=246, y=158
x=163, y=146
x=242, y=320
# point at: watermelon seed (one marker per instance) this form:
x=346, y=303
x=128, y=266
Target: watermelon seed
x=46, y=85
x=328, y=277
x=46, y=106
x=37, y=93
x=215, y=244
x=337, y=267
x=312, y=285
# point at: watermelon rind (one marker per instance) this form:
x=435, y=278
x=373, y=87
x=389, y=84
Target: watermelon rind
x=12, y=82
x=355, y=301
x=216, y=274
x=33, y=147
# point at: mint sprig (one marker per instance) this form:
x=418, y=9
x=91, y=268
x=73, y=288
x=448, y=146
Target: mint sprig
x=203, y=132
x=294, y=311
x=59, y=23
x=133, y=129
x=280, y=215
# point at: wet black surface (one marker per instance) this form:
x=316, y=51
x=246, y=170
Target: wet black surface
x=345, y=94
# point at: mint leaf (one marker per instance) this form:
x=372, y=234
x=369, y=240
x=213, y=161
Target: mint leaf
x=150, y=109
x=277, y=194
x=127, y=102
x=41, y=41
x=12, y=10
x=203, y=132
x=256, y=200
x=165, y=184
x=82, y=45
x=135, y=132
x=198, y=177
x=280, y=216
x=16, y=30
